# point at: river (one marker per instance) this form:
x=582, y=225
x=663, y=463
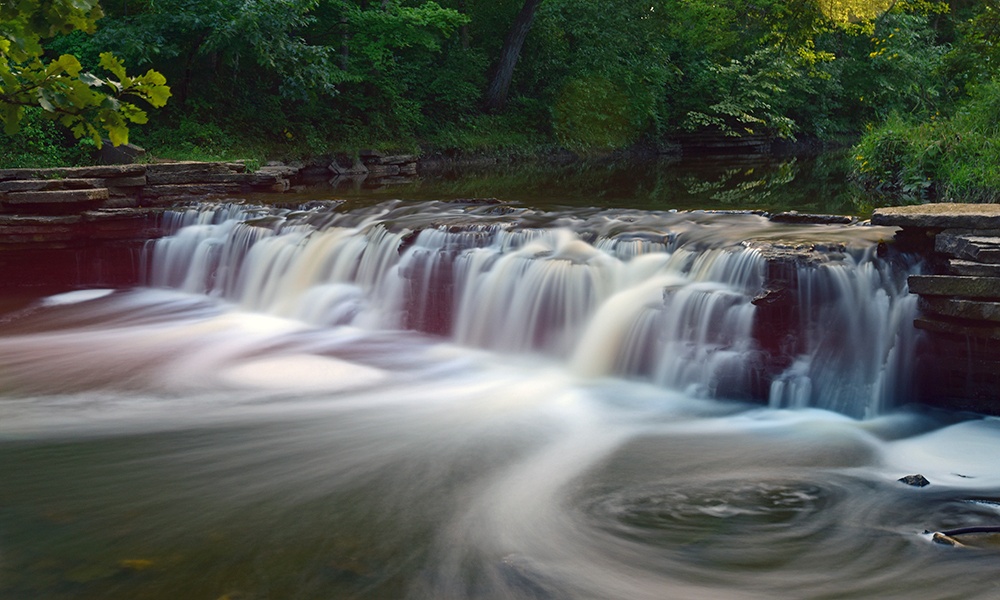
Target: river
x=449, y=400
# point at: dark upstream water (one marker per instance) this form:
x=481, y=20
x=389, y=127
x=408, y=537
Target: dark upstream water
x=808, y=184
x=450, y=401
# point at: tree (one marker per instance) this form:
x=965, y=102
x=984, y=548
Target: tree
x=496, y=92
x=87, y=104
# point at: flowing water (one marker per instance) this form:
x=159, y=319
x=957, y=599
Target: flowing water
x=437, y=400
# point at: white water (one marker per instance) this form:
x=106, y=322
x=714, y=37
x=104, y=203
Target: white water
x=664, y=297
x=329, y=405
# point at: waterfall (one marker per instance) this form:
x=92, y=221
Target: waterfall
x=664, y=297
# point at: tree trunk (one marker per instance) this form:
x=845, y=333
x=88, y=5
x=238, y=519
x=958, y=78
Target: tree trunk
x=496, y=92
x=463, y=31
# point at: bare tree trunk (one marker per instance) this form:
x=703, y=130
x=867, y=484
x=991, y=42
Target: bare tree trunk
x=503, y=72
x=463, y=31
x=345, y=52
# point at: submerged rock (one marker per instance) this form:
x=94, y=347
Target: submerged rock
x=810, y=219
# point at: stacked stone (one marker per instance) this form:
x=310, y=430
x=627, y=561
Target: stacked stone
x=373, y=167
x=76, y=189
x=959, y=301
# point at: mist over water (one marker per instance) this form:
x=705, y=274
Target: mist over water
x=441, y=400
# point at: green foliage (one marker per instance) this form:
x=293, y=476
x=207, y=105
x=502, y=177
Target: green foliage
x=749, y=96
x=89, y=105
x=40, y=142
x=953, y=158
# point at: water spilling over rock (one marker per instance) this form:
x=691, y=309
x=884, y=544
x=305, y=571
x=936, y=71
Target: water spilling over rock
x=717, y=305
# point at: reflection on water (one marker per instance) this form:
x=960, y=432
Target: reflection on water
x=161, y=445
x=808, y=184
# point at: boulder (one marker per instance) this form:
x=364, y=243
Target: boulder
x=126, y=154
x=917, y=480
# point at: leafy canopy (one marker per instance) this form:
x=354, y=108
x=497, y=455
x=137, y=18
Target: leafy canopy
x=87, y=104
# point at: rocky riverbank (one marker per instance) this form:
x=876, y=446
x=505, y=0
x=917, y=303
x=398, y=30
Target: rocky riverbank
x=959, y=300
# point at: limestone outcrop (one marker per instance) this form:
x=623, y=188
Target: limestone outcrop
x=959, y=300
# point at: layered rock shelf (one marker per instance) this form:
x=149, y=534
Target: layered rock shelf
x=959, y=300
x=76, y=189
x=73, y=190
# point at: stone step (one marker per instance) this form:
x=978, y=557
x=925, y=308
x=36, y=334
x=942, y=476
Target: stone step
x=972, y=269
x=810, y=219
x=55, y=198
x=940, y=216
x=195, y=189
x=963, y=329
x=969, y=246
x=97, y=172
x=955, y=286
x=971, y=310
x=41, y=185
x=188, y=172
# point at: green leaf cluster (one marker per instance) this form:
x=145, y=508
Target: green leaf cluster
x=88, y=104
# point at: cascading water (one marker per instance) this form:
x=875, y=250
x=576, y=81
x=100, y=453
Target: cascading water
x=426, y=400
x=663, y=297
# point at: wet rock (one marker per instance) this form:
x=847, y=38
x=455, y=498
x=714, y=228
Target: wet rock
x=955, y=286
x=473, y=201
x=959, y=329
x=969, y=246
x=961, y=309
x=969, y=268
x=917, y=480
x=377, y=170
x=810, y=219
x=195, y=189
x=940, y=216
x=344, y=168
x=946, y=540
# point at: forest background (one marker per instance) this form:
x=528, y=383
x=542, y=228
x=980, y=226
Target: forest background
x=914, y=85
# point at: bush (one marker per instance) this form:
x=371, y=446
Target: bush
x=43, y=143
x=952, y=159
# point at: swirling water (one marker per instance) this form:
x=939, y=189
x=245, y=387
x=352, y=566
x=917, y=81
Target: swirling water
x=451, y=401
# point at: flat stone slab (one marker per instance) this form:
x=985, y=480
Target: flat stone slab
x=196, y=189
x=978, y=248
x=810, y=219
x=954, y=286
x=189, y=172
x=971, y=310
x=957, y=328
x=97, y=172
x=56, y=197
x=940, y=216
x=972, y=269
x=41, y=185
